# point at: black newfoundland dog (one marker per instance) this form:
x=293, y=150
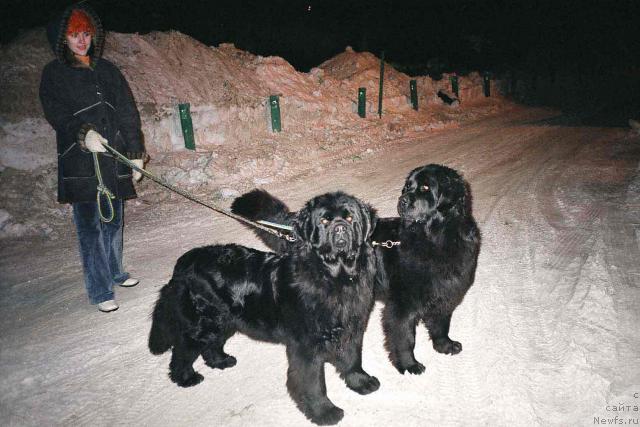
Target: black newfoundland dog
x=434, y=265
x=426, y=276
x=315, y=299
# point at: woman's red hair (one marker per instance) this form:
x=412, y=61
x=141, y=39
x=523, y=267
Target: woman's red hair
x=80, y=22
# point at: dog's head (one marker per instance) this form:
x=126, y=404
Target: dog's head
x=335, y=226
x=434, y=190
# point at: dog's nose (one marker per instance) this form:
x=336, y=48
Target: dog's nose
x=340, y=229
x=340, y=235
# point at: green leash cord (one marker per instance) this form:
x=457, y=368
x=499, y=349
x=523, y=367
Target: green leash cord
x=103, y=191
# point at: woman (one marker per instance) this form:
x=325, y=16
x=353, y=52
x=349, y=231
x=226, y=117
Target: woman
x=88, y=102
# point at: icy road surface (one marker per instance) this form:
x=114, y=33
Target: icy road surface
x=549, y=329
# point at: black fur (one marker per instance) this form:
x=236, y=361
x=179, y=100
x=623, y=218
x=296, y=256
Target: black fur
x=315, y=299
x=424, y=278
x=431, y=270
x=258, y=204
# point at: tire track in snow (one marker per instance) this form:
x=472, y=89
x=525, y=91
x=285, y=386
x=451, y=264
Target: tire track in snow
x=623, y=228
x=621, y=238
x=571, y=309
x=518, y=167
x=567, y=217
x=527, y=320
x=572, y=207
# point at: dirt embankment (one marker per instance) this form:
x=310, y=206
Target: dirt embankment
x=228, y=91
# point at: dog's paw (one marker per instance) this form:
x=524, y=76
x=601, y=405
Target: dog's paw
x=327, y=416
x=415, y=368
x=447, y=346
x=227, y=362
x=186, y=381
x=362, y=383
x=372, y=384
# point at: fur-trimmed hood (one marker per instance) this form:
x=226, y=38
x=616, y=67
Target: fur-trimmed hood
x=56, y=31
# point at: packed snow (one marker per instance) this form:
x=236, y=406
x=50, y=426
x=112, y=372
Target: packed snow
x=549, y=329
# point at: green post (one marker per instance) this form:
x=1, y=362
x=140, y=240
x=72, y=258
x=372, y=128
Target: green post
x=454, y=85
x=362, y=102
x=187, y=126
x=413, y=88
x=486, y=83
x=274, y=106
x=381, y=85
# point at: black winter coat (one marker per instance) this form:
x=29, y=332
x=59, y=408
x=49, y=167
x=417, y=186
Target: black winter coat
x=76, y=99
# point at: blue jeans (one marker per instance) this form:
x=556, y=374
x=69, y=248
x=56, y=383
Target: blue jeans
x=100, y=248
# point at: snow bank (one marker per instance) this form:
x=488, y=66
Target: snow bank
x=227, y=90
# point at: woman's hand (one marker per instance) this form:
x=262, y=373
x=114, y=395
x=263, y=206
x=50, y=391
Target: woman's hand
x=137, y=176
x=93, y=141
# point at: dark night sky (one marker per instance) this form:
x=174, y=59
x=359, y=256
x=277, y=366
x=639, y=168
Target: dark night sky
x=497, y=35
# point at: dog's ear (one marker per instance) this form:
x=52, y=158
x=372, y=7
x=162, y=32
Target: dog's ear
x=465, y=202
x=454, y=194
x=460, y=194
x=369, y=219
x=303, y=224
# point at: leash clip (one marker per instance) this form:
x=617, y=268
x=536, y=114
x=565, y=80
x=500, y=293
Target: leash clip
x=288, y=237
x=386, y=244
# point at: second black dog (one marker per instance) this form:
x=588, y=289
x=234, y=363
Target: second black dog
x=434, y=266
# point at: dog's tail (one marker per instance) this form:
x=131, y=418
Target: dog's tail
x=260, y=205
x=161, y=336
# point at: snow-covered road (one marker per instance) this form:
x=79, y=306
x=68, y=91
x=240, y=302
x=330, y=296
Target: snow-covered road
x=550, y=328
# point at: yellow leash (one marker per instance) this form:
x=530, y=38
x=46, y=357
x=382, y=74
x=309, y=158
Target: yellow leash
x=103, y=191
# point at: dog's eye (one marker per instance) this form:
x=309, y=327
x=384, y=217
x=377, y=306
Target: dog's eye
x=324, y=221
x=424, y=188
x=349, y=218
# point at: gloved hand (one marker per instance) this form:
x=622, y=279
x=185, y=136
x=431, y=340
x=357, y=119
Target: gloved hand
x=93, y=141
x=137, y=176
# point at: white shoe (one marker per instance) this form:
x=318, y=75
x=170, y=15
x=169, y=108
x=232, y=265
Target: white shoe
x=129, y=283
x=107, y=306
